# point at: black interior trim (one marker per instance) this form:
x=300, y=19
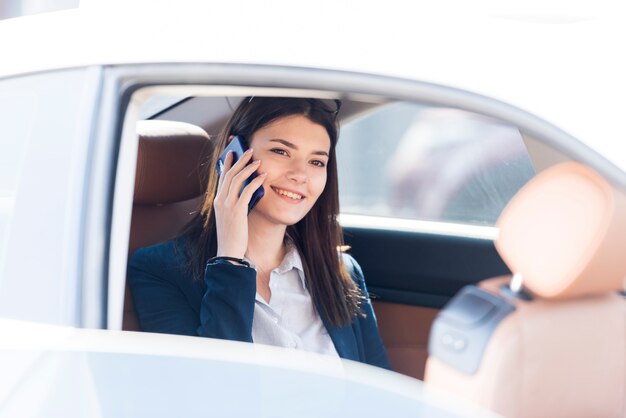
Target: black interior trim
x=407, y=298
x=422, y=269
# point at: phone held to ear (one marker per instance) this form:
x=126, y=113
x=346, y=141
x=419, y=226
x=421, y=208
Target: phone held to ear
x=238, y=145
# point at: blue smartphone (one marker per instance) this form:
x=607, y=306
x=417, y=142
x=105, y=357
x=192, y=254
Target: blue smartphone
x=238, y=146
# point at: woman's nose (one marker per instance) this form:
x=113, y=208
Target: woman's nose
x=297, y=172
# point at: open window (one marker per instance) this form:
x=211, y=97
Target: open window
x=423, y=177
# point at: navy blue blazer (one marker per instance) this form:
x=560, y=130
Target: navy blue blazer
x=168, y=300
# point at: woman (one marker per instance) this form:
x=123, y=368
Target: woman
x=273, y=275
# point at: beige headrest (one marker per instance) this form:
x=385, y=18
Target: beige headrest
x=170, y=162
x=564, y=232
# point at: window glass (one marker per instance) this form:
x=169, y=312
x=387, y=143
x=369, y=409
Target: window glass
x=42, y=160
x=156, y=105
x=412, y=161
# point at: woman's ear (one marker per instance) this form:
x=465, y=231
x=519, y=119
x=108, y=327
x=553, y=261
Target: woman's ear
x=230, y=138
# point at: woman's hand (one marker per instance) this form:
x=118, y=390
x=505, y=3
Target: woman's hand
x=231, y=210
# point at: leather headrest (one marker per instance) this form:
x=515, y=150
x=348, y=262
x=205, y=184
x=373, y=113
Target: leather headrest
x=170, y=162
x=564, y=233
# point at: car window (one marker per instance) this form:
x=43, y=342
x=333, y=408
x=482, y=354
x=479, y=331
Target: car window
x=42, y=158
x=413, y=161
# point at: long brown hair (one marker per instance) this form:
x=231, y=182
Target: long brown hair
x=317, y=237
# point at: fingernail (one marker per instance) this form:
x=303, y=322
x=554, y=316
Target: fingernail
x=257, y=162
x=249, y=151
x=263, y=174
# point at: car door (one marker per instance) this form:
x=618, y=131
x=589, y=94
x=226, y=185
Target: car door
x=66, y=141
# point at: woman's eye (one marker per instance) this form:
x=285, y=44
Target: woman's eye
x=279, y=151
x=318, y=163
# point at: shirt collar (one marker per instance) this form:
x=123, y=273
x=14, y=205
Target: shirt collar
x=291, y=261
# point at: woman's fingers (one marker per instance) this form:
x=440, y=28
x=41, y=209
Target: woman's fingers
x=240, y=178
x=227, y=165
x=248, y=191
x=230, y=169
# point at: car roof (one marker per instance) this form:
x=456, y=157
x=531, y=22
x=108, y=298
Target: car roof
x=564, y=67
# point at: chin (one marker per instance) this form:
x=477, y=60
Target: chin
x=277, y=216
x=286, y=220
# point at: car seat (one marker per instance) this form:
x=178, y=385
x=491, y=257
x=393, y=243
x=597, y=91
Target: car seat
x=170, y=182
x=550, y=341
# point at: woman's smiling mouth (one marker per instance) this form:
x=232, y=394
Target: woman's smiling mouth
x=293, y=196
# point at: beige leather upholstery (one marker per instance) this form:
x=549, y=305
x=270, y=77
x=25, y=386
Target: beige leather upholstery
x=170, y=182
x=563, y=353
x=565, y=233
x=404, y=330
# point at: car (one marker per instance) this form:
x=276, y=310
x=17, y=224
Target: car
x=450, y=117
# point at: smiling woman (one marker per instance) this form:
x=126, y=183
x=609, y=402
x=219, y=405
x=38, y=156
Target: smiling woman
x=271, y=275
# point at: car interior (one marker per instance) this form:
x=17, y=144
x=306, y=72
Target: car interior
x=168, y=188
x=414, y=267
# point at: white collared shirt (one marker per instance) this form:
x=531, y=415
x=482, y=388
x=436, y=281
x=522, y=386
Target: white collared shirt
x=290, y=318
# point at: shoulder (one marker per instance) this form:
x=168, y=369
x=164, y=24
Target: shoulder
x=353, y=268
x=167, y=258
x=357, y=275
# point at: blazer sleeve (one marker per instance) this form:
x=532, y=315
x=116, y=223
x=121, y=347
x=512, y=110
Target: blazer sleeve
x=373, y=348
x=168, y=301
x=227, y=307
x=160, y=302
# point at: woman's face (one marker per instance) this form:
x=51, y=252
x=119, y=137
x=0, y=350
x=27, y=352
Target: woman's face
x=294, y=153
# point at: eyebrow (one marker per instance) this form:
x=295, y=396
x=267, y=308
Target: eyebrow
x=293, y=146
